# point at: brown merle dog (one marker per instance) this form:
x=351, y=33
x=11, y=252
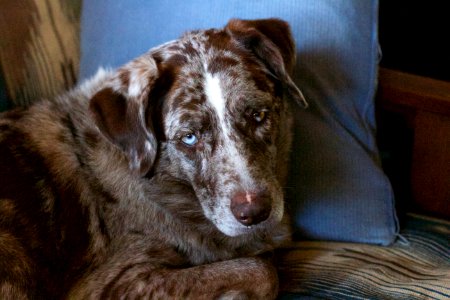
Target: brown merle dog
x=160, y=180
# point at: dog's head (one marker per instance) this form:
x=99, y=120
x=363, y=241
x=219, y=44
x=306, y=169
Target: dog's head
x=209, y=110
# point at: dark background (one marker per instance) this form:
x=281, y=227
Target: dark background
x=414, y=37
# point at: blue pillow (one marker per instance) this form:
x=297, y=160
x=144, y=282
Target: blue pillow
x=337, y=189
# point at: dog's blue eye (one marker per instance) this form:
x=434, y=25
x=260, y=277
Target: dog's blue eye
x=189, y=139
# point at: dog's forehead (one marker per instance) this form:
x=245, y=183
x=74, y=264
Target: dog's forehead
x=213, y=77
x=211, y=59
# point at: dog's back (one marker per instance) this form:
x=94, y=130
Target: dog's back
x=33, y=205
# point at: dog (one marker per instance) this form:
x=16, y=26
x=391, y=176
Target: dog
x=162, y=179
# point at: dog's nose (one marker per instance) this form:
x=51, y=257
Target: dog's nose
x=251, y=208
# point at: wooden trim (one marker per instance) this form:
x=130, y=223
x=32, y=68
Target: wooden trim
x=413, y=92
x=430, y=174
x=424, y=105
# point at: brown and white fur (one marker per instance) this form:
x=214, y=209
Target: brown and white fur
x=162, y=179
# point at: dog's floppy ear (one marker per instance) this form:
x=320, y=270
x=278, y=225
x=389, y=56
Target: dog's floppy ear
x=271, y=41
x=120, y=109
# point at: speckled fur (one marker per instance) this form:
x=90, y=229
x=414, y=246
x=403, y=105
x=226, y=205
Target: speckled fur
x=100, y=198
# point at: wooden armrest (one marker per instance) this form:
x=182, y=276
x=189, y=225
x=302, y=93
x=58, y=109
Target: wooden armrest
x=414, y=92
x=424, y=104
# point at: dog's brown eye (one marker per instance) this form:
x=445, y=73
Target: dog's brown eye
x=259, y=116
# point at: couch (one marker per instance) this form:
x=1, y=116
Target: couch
x=413, y=135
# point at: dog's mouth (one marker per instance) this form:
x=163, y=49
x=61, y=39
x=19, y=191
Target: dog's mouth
x=240, y=229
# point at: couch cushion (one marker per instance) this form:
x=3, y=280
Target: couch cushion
x=337, y=189
x=417, y=266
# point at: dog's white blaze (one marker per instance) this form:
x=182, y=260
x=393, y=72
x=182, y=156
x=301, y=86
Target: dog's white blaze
x=215, y=97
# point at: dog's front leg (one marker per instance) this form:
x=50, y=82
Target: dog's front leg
x=242, y=278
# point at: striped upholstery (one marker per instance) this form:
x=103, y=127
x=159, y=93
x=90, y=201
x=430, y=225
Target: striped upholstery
x=417, y=266
x=39, y=47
